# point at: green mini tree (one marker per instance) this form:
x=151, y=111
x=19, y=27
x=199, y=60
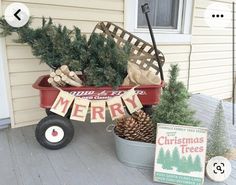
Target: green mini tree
x=218, y=134
x=197, y=166
x=176, y=157
x=174, y=107
x=161, y=156
x=167, y=164
x=190, y=163
x=183, y=167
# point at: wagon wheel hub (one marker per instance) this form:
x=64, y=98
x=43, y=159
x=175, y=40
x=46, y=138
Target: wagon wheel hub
x=54, y=133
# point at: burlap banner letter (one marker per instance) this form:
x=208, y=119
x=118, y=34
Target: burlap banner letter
x=132, y=101
x=80, y=109
x=115, y=107
x=62, y=103
x=98, y=111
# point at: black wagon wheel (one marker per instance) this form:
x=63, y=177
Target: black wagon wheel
x=54, y=132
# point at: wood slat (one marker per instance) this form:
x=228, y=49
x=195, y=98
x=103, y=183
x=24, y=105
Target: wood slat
x=211, y=47
x=94, y=4
x=211, y=71
x=209, y=63
x=26, y=65
x=23, y=116
x=221, y=77
x=211, y=85
x=198, y=31
x=23, y=91
x=26, y=78
x=211, y=56
x=72, y=13
x=28, y=102
x=207, y=39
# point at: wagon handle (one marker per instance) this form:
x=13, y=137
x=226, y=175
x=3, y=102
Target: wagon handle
x=146, y=10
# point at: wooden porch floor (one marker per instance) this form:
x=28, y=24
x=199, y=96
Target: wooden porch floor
x=89, y=160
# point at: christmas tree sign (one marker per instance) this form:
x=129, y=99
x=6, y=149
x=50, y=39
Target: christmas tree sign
x=180, y=154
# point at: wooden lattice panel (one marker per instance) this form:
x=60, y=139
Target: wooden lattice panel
x=142, y=53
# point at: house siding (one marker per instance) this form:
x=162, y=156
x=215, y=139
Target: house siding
x=210, y=62
x=211, y=58
x=24, y=68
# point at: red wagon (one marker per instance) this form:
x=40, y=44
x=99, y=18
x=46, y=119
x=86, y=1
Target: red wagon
x=54, y=131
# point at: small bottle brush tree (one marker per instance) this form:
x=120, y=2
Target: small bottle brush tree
x=218, y=134
x=173, y=107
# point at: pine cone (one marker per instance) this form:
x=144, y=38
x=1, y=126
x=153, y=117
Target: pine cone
x=138, y=127
x=119, y=128
x=131, y=129
x=146, y=127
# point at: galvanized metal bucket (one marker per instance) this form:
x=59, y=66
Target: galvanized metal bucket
x=135, y=154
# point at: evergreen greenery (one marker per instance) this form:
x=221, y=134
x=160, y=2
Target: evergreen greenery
x=101, y=60
x=173, y=107
x=54, y=45
x=107, y=64
x=218, y=134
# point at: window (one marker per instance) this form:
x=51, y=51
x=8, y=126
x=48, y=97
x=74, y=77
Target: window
x=170, y=19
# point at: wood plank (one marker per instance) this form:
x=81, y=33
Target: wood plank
x=205, y=3
x=26, y=65
x=8, y=167
x=25, y=124
x=70, y=168
x=211, y=55
x=104, y=148
x=210, y=31
x=26, y=103
x=211, y=63
x=23, y=116
x=210, y=78
x=23, y=91
x=94, y=4
x=210, y=92
x=26, y=78
x=214, y=70
x=211, y=85
x=22, y=158
x=200, y=22
x=34, y=167
x=19, y=52
x=211, y=47
x=199, y=12
x=207, y=39
x=72, y=13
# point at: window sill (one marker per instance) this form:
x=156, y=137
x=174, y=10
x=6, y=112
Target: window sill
x=165, y=38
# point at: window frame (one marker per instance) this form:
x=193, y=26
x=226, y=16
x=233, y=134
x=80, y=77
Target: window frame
x=180, y=35
x=163, y=30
